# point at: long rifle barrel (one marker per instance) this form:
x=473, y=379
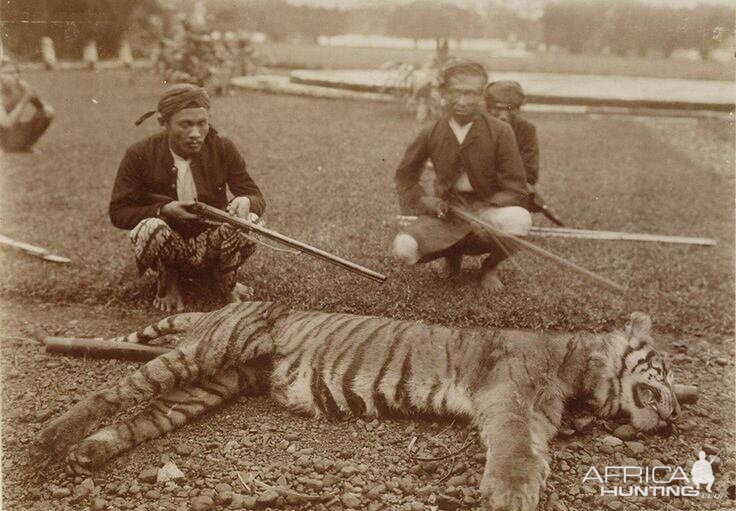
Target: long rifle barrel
x=212, y=213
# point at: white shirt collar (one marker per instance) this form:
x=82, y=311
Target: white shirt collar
x=460, y=131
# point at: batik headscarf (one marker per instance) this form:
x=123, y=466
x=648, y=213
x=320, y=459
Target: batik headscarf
x=176, y=98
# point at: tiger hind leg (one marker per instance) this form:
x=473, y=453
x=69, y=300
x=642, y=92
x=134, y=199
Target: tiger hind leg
x=175, y=324
x=165, y=413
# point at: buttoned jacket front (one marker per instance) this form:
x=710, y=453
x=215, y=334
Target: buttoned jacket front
x=489, y=156
x=146, y=179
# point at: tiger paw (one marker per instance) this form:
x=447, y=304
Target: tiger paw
x=513, y=490
x=86, y=457
x=61, y=433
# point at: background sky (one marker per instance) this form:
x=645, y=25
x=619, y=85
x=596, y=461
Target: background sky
x=511, y=4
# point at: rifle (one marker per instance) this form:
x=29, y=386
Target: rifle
x=210, y=213
x=538, y=205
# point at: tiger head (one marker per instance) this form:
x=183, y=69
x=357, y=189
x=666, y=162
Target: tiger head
x=641, y=378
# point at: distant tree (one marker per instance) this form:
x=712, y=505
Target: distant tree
x=711, y=27
x=430, y=20
x=573, y=24
x=367, y=21
x=277, y=18
x=70, y=23
x=626, y=27
x=632, y=27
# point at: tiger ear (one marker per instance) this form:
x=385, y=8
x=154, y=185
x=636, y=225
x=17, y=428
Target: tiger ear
x=639, y=327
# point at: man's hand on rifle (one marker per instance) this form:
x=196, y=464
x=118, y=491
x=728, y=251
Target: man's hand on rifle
x=178, y=210
x=437, y=206
x=536, y=203
x=240, y=207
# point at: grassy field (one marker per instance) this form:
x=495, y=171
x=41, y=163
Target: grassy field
x=326, y=169
x=324, y=57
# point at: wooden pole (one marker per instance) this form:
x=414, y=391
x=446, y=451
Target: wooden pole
x=103, y=348
x=537, y=250
x=588, y=234
x=32, y=250
x=686, y=394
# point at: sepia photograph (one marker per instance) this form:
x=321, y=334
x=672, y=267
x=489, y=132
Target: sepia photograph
x=326, y=255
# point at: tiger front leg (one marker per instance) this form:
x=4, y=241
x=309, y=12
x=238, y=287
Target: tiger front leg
x=515, y=430
x=157, y=376
x=165, y=413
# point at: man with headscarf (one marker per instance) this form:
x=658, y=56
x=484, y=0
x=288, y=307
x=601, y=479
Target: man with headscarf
x=24, y=116
x=477, y=165
x=503, y=101
x=158, y=181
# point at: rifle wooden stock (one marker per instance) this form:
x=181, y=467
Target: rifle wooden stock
x=211, y=213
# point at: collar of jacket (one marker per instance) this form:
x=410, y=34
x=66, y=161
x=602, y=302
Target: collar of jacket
x=165, y=161
x=444, y=126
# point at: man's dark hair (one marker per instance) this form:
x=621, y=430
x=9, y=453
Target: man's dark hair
x=462, y=67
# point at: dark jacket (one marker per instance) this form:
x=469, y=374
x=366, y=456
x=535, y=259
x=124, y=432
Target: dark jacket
x=148, y=168
x=488, y=154
x=526, y=138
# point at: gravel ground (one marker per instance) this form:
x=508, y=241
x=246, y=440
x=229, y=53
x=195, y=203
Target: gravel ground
x=350, y=464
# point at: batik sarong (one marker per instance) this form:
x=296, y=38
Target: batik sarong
x=217, y=251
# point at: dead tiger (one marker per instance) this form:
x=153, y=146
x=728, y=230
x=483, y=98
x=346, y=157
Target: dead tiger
x=512, y=385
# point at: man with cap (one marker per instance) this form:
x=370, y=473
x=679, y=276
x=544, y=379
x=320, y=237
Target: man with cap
x=24, y=116
x=158, y=181
x=503, y=101
x=477, y=166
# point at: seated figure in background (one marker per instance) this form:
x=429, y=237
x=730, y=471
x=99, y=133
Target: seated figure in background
x=503, y=101
x=24, y=116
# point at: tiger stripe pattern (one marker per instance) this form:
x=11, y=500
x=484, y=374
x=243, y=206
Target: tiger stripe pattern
x=512, y=384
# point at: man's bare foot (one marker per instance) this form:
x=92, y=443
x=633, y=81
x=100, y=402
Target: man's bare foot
x=490, y=282
x=168, y=295
x=451, y=266
x=241, y=293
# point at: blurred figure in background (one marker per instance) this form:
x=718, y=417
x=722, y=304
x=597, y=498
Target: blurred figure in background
x=503, y=101
x=90, y=55
x=48, y=53
x=24, y=116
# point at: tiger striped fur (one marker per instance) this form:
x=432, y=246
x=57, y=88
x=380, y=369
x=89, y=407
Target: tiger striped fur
x=511, y=384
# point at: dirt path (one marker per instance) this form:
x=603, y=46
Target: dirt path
x=352, y=464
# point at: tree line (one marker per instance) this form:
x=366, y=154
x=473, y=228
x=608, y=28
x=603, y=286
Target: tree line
x=615, y=26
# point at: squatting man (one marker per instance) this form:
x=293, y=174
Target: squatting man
x=24, y=116
x=477, y=166
x=161, y=177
